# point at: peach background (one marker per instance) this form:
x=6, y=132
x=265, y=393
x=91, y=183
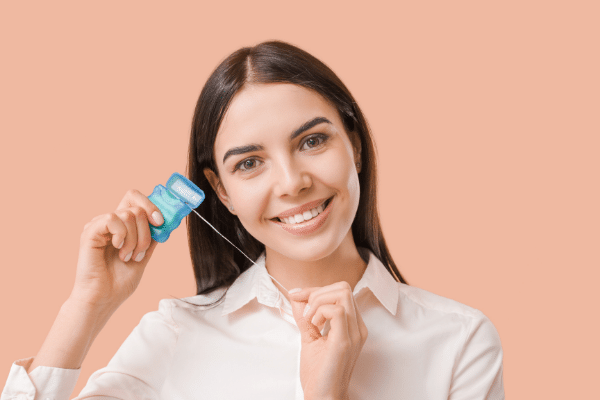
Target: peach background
x=486, y=118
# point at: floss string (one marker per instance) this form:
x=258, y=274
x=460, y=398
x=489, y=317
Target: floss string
x=215, y=229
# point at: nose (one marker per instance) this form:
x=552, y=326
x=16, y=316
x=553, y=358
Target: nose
x=291, y=178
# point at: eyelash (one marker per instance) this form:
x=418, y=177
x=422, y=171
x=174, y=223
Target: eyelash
x=319, y=136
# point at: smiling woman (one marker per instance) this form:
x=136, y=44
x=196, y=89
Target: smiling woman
x=286, y=132
x=281, y=175
x=287, y=162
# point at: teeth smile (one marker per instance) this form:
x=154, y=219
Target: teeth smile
x=305, y=216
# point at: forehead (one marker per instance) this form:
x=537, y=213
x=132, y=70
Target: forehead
x=261, y=110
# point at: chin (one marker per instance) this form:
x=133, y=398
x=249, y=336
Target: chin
x=313, y=250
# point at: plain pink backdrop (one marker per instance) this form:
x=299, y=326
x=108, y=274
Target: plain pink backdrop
x=486, y=119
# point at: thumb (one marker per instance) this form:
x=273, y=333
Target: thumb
x=308, y=332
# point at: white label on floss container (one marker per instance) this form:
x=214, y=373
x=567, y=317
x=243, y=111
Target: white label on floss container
x=185, y=192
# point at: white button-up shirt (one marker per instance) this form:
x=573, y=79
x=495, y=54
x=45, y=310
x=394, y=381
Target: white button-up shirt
x=420, y=346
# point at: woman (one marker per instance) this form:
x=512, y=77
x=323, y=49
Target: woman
x=291, y=163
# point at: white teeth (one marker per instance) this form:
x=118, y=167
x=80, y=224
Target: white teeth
x=305, y=216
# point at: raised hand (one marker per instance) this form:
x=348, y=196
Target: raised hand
x=113, y=252
x=327, y=362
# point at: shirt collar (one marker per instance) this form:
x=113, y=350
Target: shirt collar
x=256, y=282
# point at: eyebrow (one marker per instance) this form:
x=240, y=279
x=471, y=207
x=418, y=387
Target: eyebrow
x=256, y=147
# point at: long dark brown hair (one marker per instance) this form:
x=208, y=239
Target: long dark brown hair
x=216, y=263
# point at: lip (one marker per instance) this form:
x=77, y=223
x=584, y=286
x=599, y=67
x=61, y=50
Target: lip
x=307, y=227
x=301, y=209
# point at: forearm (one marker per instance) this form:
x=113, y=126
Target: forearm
x=71, y=336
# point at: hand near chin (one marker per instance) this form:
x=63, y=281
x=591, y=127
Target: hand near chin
x=326, y=362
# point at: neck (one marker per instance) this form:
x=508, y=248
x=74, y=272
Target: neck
x=344, y=264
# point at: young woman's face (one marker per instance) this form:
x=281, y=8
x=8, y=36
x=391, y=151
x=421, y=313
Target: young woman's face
x=282, y=153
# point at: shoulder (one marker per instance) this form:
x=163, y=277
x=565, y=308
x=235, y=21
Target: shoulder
x=176, y=314
x=430, y=306
x=430, y=301
x=201, y=302
x=473, y=324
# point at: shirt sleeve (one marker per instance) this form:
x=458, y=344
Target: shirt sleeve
x=136, y=371
x=477, y=372
x=43, y=383
x=140, y=366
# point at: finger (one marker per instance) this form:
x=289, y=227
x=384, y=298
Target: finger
x=303, y=294
x=362, y=327
x=308, y=332
x=307, y=292
x=150, y=250
x=342, y=297
x=134, y=197
x=144, y=238
x=131, y=237
x=338, y=320
x=98, y=230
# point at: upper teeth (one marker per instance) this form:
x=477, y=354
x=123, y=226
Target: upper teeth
x=305, y=216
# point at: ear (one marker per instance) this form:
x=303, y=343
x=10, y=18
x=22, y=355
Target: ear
x=355, y=139
x=217, y=186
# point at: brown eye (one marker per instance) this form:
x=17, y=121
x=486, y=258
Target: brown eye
x=247, y=165
x=315, y=141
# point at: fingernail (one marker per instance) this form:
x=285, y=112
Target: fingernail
x=306, y=309
x=157, y=217
x=296, y=290
x=140, y=256
x=121, y=245
x=312, y=321
x=128, y=256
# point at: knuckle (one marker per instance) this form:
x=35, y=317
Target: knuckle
x=128, y=215
x=110, y=217
x=339, y=310
x=138, y=211
x=132, y=193
x=349, y=297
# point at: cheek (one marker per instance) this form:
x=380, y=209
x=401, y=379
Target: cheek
x=339, y=174
x=250, y=200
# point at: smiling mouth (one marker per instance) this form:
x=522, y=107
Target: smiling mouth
x=305, y=216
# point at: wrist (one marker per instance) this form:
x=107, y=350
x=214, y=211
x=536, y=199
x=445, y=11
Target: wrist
x=81, y=301
x=83, y=310
x=73, y=332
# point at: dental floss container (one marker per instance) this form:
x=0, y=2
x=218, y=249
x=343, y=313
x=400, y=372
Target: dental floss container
x=175, y=201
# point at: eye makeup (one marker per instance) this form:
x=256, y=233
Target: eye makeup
x=256, y=147
x=321, y=139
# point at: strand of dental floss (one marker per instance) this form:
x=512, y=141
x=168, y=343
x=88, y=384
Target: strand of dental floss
x=238, y=249
x=215, y=229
